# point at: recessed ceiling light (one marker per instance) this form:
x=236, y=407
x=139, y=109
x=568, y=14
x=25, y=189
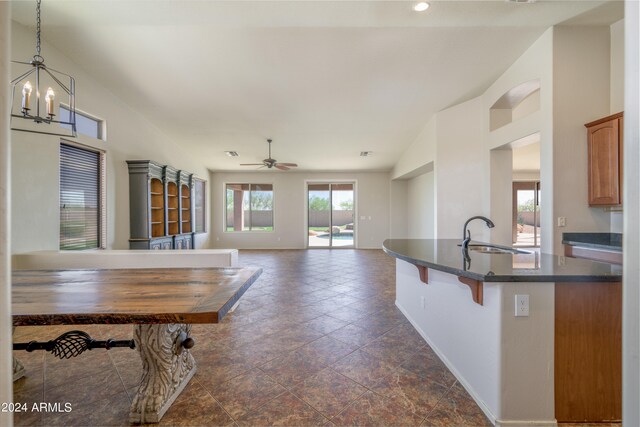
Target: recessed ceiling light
x=231, y=153
x=366, y=153
x=520, y=1
x=421, y=7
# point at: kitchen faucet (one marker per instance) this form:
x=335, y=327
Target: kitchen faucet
x=466, y=234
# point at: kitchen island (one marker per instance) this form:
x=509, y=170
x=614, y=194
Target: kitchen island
x=559, y=360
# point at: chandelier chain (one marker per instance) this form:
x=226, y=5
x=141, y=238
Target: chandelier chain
x=38, y=27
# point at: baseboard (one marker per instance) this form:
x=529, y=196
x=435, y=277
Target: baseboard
x=515, y=423
x=485, y=409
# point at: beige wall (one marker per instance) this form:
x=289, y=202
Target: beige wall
x=421, y=207
x=35, y=168
x=580, y=95
x=6, y=386
x=372, y=203
x=617, y=93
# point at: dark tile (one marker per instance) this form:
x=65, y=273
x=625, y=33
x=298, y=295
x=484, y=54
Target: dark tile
x=374, y=410
x=328, y=392
x=352, y=334
x=284, y=410
x=426, y=364
x=327, y=350
x=326, y=324
x=113, y=411
x=99, y=386
x=412, y=392
x=292, y=368
x=456, y=408
x=195, y=407
x=364, y=368
x=246, y=393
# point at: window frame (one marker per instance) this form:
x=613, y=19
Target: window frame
x=250, y=184
x=101, y=124
x=204, y=205
x=102, y=193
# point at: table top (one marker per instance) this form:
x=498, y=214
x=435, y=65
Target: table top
x=123, y=296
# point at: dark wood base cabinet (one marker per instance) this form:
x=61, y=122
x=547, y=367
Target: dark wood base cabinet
x=588, y=352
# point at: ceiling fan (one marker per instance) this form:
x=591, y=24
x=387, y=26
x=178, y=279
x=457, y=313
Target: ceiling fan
x=270, y=163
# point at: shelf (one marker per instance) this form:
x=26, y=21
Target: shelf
x=156, y=207
x=153, y=193
x=156, y=222
x=172, y=209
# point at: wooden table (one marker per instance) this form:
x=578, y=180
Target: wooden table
x=161, y=303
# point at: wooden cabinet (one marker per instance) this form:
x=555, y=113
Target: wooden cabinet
x=588, y=352
x=604, y=139
x=160, y=206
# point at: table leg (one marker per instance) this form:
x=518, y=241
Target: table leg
x=166, y=369
x=18, y=368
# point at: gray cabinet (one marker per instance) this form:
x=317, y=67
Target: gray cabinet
x=160, y=206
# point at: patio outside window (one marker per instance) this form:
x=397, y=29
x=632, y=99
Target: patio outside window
x=249, y=207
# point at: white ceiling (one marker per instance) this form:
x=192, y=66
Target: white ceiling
x=325, y=79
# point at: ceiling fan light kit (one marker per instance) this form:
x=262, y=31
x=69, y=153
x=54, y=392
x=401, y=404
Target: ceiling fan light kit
x=272, y=163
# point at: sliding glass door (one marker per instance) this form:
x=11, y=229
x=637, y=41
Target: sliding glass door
x=330, y=219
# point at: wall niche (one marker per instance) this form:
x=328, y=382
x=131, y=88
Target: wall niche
x=516, y=103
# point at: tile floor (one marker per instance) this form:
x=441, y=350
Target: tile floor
x=316, y=341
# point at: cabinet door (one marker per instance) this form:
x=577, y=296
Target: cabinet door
x=604, y=163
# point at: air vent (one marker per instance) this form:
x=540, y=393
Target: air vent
x=366, y=153
x=231, y=153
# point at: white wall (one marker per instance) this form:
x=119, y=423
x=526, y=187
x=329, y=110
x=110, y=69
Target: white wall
x=6, y=385
x=631, y=248
x=461, y=170
x=420, y=207
x=488, y=353
x=534, y=64
x=617, y=93
x=399, y=209
x=421, y=152
x=35, y=168
x=372, y=200
x=580, y=95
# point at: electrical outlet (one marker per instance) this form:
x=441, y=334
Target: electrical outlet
x=422, y=302
x=522, y=305
x=562, y=221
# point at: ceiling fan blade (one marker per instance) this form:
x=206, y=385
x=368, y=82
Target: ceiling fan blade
x=281, y=167
x=251, y=164
x=291, y=165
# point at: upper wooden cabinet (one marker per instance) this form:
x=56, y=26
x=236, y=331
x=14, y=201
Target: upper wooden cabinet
x=604, y=138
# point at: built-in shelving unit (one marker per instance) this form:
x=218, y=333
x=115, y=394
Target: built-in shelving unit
x=160, y=200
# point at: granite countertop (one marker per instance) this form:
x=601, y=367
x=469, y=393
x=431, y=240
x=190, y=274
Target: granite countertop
x=606, y=241
x=445, y=255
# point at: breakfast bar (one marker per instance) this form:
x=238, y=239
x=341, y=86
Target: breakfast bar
x=535, y=338
x=160, y=303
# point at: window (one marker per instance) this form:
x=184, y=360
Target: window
x=82, y=204
x=85, y=124
x=249, y=207
x=199, y=194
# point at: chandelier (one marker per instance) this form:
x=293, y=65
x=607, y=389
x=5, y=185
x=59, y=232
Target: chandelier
x=32, y=112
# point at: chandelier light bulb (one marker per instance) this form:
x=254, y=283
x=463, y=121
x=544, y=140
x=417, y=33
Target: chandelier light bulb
x=26, y=96
x=48, y=99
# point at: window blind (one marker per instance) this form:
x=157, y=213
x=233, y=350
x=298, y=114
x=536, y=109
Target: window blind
x=199, y=195
x=80, y=198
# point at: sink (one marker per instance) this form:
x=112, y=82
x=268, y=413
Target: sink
x=490, y=249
